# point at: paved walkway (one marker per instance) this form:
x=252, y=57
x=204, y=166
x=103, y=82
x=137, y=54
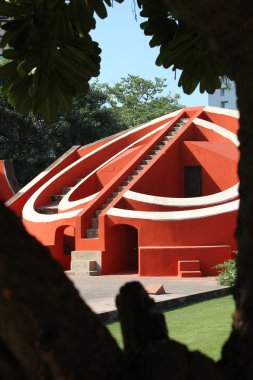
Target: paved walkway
x=99, y=291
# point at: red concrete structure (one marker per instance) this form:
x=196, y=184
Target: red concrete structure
x=159, y=199
x=9, y=185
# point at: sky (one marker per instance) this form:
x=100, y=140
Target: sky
x=126, y=50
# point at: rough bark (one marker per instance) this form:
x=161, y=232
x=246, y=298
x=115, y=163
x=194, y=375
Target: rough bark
x=46, y=330
x=228, y=27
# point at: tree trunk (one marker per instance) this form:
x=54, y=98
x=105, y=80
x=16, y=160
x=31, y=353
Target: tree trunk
x=46, y=330
x=228, y=26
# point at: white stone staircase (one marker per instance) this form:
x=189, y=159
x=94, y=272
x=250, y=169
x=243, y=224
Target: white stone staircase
x=85, y=263
x=92, y=233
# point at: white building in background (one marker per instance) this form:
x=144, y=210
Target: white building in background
x=224, y=97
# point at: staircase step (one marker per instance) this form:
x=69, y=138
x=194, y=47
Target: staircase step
x=149, y=158
x=135, y=172
x=184, y=120
x=191, y=265
x=86, y=255
x=140, y=167
x=120, y=188
x=108, y=201
x=125, y=183
x=163, y=142
x=130, y=177
x=57, y=198
x=98, y=212
x=114, y=194
x=66, y=189
x=83, y=274
x=190, y=273
x=92, y=233
x=94, y=222
x=83, y=265
x=48, y=209
x=167, y=138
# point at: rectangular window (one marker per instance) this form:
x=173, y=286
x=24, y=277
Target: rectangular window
x=224, y=104
x=192, y=181
x=222, y=91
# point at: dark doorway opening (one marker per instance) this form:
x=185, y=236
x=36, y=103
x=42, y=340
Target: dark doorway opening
x=122, y=249
x=192, y=181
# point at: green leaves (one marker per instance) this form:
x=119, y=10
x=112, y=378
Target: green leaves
x=52, y=55
x=181, y=48
x=137, y=100
x=22, y=137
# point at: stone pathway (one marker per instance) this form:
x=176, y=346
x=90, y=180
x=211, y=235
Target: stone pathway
x=99, y=291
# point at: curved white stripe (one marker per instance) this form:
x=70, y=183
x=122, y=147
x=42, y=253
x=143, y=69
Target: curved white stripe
x=175, y=215
x=206, y=200
x=222, y=111
x=30, y=214
x=216, y=128
x=66, y=204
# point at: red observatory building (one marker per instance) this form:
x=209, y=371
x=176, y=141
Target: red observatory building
x=159, y=199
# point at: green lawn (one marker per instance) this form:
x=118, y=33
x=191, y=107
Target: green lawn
x=203, y=326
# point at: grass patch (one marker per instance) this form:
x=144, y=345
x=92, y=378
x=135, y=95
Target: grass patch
x=203, y=326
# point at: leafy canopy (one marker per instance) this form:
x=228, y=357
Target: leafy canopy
x=33, y=145
x=52, y=56
x=137, y=100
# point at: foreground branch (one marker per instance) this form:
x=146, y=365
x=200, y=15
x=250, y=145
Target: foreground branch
x=46, y=329
x=149, y=353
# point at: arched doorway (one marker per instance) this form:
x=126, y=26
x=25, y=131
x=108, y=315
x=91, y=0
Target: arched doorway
x=64, y=245
x=121, y=254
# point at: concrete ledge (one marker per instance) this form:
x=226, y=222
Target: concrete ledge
x=166, y=305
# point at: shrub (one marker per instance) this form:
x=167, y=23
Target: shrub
x=227, y=273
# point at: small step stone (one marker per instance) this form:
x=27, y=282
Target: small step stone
x=57, y=198
x=48, y=209
x=83, y=265
x=67, y=189
x=92, y=233
x=184, y=120
x=149, y=158
x=94, y=222
x=196, y=273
